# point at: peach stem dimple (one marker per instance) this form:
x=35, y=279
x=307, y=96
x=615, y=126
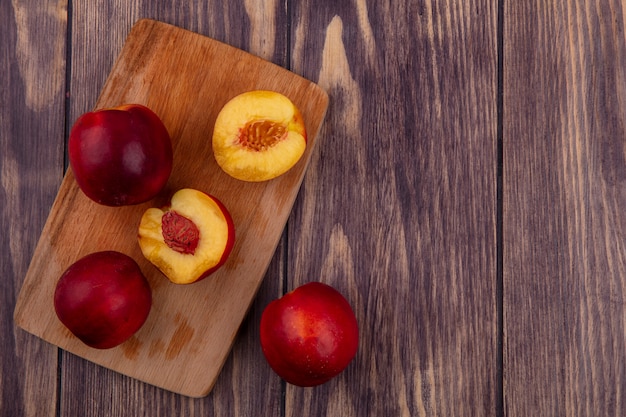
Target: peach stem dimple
x=179, y=233
x=258, y=135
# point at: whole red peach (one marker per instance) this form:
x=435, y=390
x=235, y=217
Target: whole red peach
x=103, y=299
x=120, y=156
x=309, y=335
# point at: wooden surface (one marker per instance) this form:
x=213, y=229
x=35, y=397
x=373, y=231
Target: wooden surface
x=565, y=209
x=467, y=202
x=186, y=79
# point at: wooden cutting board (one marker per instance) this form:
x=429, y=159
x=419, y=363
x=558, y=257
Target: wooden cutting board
x=186, y=79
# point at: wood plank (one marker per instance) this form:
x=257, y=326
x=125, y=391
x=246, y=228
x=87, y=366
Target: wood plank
x=564, y=195
x=398, y=210
x=32, y=64
x=98, y=32
x=186, y=79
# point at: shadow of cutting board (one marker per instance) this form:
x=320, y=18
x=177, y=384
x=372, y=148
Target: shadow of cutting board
x=186, y=79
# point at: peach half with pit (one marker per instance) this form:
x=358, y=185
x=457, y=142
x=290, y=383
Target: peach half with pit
x=258, y=135
x=188, y=239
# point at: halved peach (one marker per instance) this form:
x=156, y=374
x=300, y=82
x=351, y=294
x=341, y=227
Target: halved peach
x=190, y=238
x=258, y=135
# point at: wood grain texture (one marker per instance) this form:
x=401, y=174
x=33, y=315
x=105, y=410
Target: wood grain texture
x=398, y=210
x=185, y=78
x=245, y=385
x=32, y=77
x=564, y=198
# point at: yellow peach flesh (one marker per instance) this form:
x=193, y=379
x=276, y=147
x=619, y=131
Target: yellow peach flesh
x=258, y=159
x=183, y=268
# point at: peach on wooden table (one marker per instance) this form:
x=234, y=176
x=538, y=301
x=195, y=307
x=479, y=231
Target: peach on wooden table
x=121, y=155
x=103, y=299
x=188, y=239
x=258, y=135
x=309, y=335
